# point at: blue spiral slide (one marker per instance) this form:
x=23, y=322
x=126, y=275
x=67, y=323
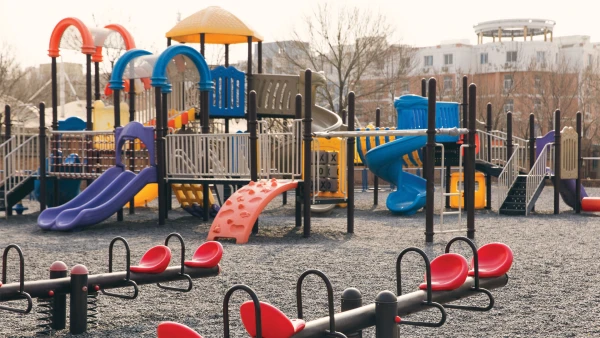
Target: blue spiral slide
x=387, y=160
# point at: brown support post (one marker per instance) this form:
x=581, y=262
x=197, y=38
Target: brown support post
x=249, y=70
x=298, y=113
x=252, y=126
x=260, y=70
x=226, y=55
x=488, y=177
x=307, y=150
x=509, y=134
x=350, y=164
x=117, y=105
x=202, y=42
x=131, y=144
x=578, y=180
x=159, y=128
x=96, y=80
x=470, y=162
x=376, y=178
x=557, y=159
x=42, y=159
x=429, y=172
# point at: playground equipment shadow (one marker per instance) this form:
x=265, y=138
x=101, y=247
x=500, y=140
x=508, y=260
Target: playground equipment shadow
x=552, y=292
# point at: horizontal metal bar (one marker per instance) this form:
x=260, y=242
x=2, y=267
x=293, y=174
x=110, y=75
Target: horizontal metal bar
x=82, y=132
x=590, y=158
x=451, y=231
x=40, y=288
x=364, y=316
x=404, y=132
x=452, y=212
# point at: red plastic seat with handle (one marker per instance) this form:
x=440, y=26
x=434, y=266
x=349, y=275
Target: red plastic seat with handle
x=275, y=324
x=448, y=272
x=495, y=259
x=207, y=255
x=155, y=260
x=175, y=330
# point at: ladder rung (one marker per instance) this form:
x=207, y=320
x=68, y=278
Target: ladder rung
x=451, y=194
x=451, y=212
x=449, y=231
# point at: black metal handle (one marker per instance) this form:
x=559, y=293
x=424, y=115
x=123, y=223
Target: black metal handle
x=21, y=292
x=257, y=315
x=332, y=332
x=476, y=287
x=186, y=276
x=428, y=324
x=427, y=271
x=127, y=269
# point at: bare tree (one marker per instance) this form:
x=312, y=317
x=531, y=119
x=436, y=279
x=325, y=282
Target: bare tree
x=11, y=75
x=349, y=46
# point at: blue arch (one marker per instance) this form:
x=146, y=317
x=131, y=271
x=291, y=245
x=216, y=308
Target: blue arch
x=159, y=76
x=116, y=79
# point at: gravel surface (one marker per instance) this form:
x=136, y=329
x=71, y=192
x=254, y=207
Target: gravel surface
x=552, y=291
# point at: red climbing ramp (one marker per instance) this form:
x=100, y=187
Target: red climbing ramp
x=239, y=213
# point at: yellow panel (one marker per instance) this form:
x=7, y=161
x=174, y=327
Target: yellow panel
x=480, y=190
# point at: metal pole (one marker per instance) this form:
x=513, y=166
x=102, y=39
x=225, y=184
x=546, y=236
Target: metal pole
x=465, y=139
x=557, y=159
x=117, y=105
x=424, y=87
x=532, y=144
x=249, y=70
x=260, y=70
x=307, y=150
x=79, y=291
x=226, y=55
x=376, y=178
x=429, y=170
x=365, y=316
x=488, y=177
x=132, y=144
x=465, y=103
x=345, y=117
x=470, y=176
x=509, y=134
x=159, y=127
x=106, y=281
x=352, y=299
x=42, y=159
x=578, y=180
x=202, y=42
x=58, y=269
x=351, y=141
x=298, y=116
x=162, y=159
x=96, y=80
x=88, y=92
x=204, y=101
x=386, y=304
x=424, y=149
x=168, y=42
x=252, y=126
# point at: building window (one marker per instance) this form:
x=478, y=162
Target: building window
x=447, y=83
x=537, y=104
x=509, y=105
x=448, y=58
x=405, y=87
x=541, y=57
x=511, y=56
x=538, y=82
x=483, y=58
x=508, y=82
x=428, y=60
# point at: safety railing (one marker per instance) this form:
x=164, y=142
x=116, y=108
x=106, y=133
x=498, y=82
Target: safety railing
x=145, y=107
x=508, y=176
x=522, y=152
x=228, y=156
x=279, y=154
x=495, y=153
x=5, y=148
x=539, y=172
x=20, y=163
x=87, y=154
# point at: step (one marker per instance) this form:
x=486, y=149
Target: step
x=512, y=212
x=515, y=205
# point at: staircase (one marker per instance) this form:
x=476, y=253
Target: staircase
x=19, y=192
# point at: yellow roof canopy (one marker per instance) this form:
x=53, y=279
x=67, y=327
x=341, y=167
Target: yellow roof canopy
x=218, y=25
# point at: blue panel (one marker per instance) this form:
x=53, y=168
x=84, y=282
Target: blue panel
x=412, y=114
x=229, y=97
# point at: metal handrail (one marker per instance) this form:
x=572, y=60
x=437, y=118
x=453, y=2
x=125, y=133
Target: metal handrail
x=508, y=176
x=539, y=172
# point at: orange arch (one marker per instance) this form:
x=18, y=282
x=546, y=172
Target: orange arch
x=87, y=46
x=127, y=37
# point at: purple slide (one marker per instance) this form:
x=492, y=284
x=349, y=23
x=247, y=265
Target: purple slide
x=567, y=187
x=107, y=201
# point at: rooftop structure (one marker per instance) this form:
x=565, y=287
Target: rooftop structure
x=512, y=28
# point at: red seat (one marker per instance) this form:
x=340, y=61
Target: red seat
x=207, y=255
x=155, y=260
x=275, y=324
x=495, y=259
x=175, y=330
x=448, y=272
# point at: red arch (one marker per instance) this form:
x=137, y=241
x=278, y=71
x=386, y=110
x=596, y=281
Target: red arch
x=127, y=37
x=87, y=46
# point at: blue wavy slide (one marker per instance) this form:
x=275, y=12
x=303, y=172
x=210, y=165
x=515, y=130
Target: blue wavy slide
x=102, y=199
x=386, y=162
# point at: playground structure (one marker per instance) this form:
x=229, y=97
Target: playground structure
x=448, y=277
x=83, y=289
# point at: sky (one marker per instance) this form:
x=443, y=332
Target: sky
x=26, y=25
